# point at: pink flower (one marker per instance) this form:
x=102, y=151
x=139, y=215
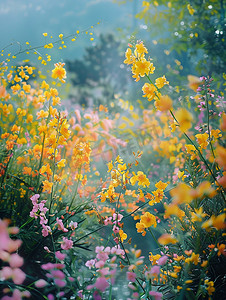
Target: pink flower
x=102, y=256
x=101, y=284
x=108, y=221
x=40, y=283
x=156, y=295
x=96, y=296
x=90, y=263
x=35, y=198
x=18, y=276
x=67, y=244
x=48, y=266
x=60, y=256
x=155, y=270
x=99, y=264
x=46, y=230
x=73, y=225
x=162, y=260
x=131, y=276
x=99, y=249
x=15, y=261
x=50, y=297
x=17, y=295
x=60, y=282
x=61, y=225
x=115, y=229
x=58, y=274
x=104, y=271
x=136, y=295
x=117, y=217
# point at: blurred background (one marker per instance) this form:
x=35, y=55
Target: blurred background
x=183, y=39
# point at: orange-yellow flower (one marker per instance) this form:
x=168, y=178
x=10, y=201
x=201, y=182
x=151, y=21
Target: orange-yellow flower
x=184, y=119
x=166, y=239
x=164, y=103
x=181, y=194
x=59, y=72
x=123, y=235
x=47, y=186
x=150, y=91
x=202, y=139
x=161, y=81
x=193, y=82
x=148, y=220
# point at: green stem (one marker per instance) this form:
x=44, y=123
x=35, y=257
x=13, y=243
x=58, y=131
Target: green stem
x=208, y=123
x=40, y=162
x=76, y=189
x=200, y=155
x=110, y=291
x=160, y=246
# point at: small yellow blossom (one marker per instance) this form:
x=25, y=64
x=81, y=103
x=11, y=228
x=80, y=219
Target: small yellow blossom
x=148, y=220
x=59, y=72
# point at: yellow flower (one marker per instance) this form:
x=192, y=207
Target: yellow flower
x=61, y=163
x=161, y=81
x=140, y=48
x=59, y=72
x=210, y=287
x=140, y=228
x=190, y=9
x=166, y=239
x=148, y=220
x=47, y=186
x=164, y=103
x=142, y=179
x=184, y=119
x=150, y=91
x=221, y=156
x=173, y=209
x=202, y=139
x=123, y=235
x=198, y=215
x=181, y=194
x=194, y=258
x=130, y=59
x=142, y=67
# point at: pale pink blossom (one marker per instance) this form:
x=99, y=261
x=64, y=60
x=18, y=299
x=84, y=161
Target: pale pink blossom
x=162, y=260
x=15, y=261
x=67, y=244
x=40, y=283
x=117, y=217
x=99, y=264
x=155, y=270
x=58, y=274
x=60, y=256
x=131, y=276
x=90, y=263
x=59, y=282
x=156, y=295
x=101, y=284
x=60, y=225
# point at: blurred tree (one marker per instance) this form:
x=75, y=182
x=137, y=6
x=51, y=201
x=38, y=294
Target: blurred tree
x=99, y=75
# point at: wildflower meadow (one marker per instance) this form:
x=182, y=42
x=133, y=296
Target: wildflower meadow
x=122, y=197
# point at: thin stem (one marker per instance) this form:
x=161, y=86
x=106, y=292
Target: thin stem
x=160, y=246
x=76, y=189
x=40, y=162
x=208, y=122
x=200, y=155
